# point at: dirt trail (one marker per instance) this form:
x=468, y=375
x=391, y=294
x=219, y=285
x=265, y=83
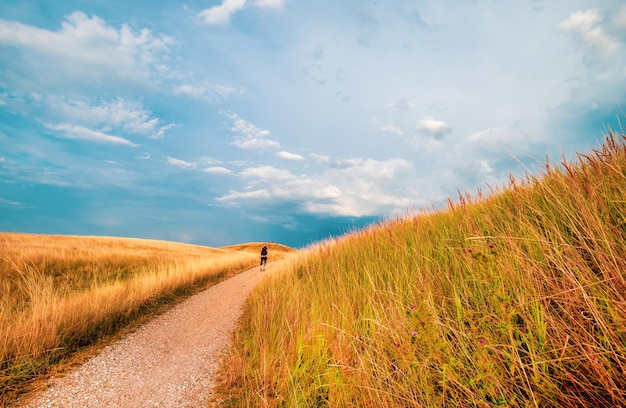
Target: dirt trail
x=169, y=362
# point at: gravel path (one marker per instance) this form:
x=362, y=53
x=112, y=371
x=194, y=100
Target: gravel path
x=169, y=362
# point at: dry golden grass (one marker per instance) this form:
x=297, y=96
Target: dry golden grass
x=514, y=300
x=59, y=294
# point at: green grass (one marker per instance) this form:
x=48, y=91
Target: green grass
x=516, y=299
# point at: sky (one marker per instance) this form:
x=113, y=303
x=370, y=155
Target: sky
x=219, y=122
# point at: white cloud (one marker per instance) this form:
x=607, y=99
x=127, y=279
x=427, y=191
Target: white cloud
x=218, y=170
x=69, y=131
x=161, y=131
x=246, y=128
x=289, y=156
x=254, y=143
x=268, y=173
x=205, y=91
x=276, y=185
x=5, y=202
x=392, y=129
x=320, y=158
x=391, y=126
x=269, y=3
x=353, y=187
x=86, y=47
x=587, y=28
x=432, y=128
x=250, y=136
x=370, y=169
x=235, y=196
x=181, y=163
x=221, y=14
x=485, y=167
x=369, y=187
x=190, y=90
x=118, y=113
x=491, y=136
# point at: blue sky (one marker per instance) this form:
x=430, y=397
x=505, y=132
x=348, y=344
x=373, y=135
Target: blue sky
x=228, y=121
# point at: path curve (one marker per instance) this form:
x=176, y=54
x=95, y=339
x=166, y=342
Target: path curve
x=170, y=361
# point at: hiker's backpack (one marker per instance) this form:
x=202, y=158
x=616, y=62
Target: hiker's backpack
x=264, y=251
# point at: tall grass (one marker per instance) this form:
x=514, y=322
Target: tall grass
x=517, y=299
x=59, y=294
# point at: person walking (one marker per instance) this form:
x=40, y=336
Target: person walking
x=263, y=258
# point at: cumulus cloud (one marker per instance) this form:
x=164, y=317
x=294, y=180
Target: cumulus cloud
x=235, y=196
x=160, y=132
x=353, y=187
x=391, y=128
x=69, y=131
x=289, y=156
x=249, y=136
x=246, y=128
x=208, y=92
x=118, y=113
x=218, y=170
x=432, y=128
x=181, y=163
x=489, y=137
x=586, y=27
x=275, y=185
x=254, y=143
x=222, y=13
x=87, y=47
x=320, y=158
x=269, y=3
x=268, y=173
x=598, y=91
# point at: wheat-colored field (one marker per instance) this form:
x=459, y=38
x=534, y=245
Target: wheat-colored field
x=513, y=300
x=59, y=294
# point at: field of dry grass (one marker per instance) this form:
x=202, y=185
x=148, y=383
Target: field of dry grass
x=513, y=300
x=59, y=294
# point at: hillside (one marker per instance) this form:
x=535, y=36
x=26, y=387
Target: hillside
x=60, y=295
x=516, y=299
x=255, y=247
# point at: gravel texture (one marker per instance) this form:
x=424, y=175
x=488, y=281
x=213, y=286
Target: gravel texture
x=169, y=362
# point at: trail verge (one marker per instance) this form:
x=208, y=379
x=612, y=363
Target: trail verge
x=169, y=362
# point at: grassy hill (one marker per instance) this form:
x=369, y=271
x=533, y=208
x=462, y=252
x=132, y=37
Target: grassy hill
x=62, y=294
x=255, y=247
x=517, y=299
